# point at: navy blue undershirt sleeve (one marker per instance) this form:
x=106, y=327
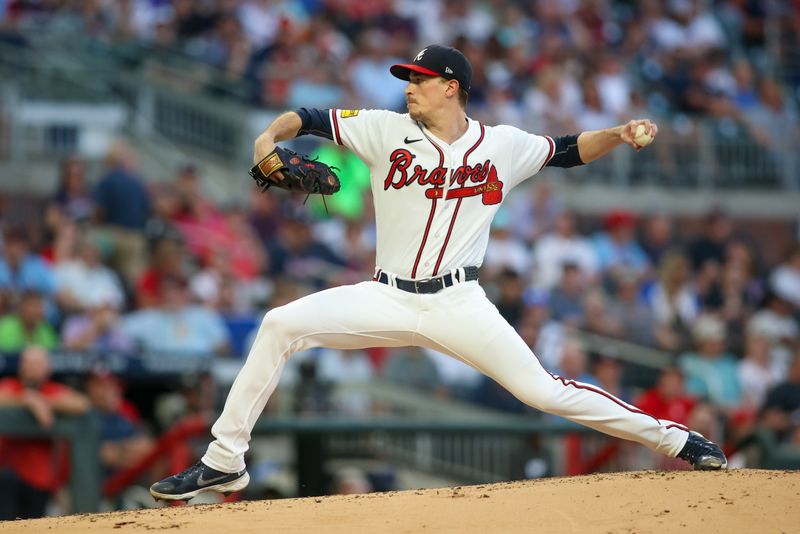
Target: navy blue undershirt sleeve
x=315, y=122
x=566, y=152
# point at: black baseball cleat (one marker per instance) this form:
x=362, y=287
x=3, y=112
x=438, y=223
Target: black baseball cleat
x=198, y=479
x=703, y=454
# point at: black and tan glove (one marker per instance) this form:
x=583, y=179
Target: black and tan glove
x=300, y=174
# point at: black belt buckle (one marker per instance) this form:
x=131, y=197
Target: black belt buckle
x=431, y=285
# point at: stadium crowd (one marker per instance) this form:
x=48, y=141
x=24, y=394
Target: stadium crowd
x=557, y=66
x=115, y=262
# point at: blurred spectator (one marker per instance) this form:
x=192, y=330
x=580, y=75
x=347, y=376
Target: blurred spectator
x=84, y=280
x=668, y=399
x=593, y=116
x=503, y=251
x=216, y=287
x=166, y=204
x=658, y=237
x=781, y=410
x=412, y=367
x=534, y=214
x=563, y=245
x=638, y=322
x=192, y=201
x=175, y=326
x=566, y=300
x=711, y=373
x=98, y=328
x=344, y=369
x=318, y=85
x=122, y=441
x=246, y=252
x=597, y=316
x=613, y=85
x=745, y=96
x=673, y=301
x=264, y=215
x=21, y=269
x=543, y=334
x=785, y=279
x=757, y=373
x=368, y=72
x=607, y=371
x=710, y=246
x=616, y=247
x=123, y=206
x=73, y=200
x=552, y=100
x=355, y=241
x=27, y=326
x=297, y=254
x=574, y=362
x=459, y=379
x=200, y=222
x=32, y=469
x=775, y=322
x=168, y=259
x=508, y=300
x=736, y=293
x=688, y=28
x=194, y=396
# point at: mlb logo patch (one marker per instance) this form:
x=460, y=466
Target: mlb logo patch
x=348, y=113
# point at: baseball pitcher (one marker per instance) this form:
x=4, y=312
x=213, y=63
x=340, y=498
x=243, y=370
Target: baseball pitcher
x=437, y=179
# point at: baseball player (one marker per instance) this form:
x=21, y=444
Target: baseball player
x=437, y=178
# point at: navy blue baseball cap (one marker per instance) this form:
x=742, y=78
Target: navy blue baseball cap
x=437, y=60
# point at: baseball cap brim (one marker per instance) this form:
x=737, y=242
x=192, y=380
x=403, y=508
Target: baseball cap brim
x=404, y=71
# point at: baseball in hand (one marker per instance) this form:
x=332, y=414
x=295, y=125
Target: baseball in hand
x=642, y=138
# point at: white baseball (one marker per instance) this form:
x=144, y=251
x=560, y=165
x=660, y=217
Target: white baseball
x=641, y=138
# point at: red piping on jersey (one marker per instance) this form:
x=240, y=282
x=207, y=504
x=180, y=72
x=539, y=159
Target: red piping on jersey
x=549, y=154
x=433, y=210
x=458, y=204
x=336, y=127
x=612, y=398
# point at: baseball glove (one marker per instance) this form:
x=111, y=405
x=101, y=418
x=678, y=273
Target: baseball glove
x=300, y=174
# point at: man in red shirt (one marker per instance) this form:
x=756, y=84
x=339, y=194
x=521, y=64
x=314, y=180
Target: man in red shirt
x=668, y=398
x=32, y=469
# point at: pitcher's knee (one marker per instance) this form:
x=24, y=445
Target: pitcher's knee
x=279, y=323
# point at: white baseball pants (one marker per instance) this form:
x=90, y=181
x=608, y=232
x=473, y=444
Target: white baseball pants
x=459, y=321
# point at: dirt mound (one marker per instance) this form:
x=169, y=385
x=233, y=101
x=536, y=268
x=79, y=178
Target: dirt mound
x=731, y=501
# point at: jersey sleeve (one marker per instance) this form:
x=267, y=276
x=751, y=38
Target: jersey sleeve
x=360, y=130
x=529, y=152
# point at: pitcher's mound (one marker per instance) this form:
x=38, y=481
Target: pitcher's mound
x=742, y=500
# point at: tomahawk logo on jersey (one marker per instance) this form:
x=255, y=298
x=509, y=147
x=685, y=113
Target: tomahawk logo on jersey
x=434, y=202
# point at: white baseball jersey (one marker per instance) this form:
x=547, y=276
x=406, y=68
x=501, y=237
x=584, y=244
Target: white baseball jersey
x=434, y=202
